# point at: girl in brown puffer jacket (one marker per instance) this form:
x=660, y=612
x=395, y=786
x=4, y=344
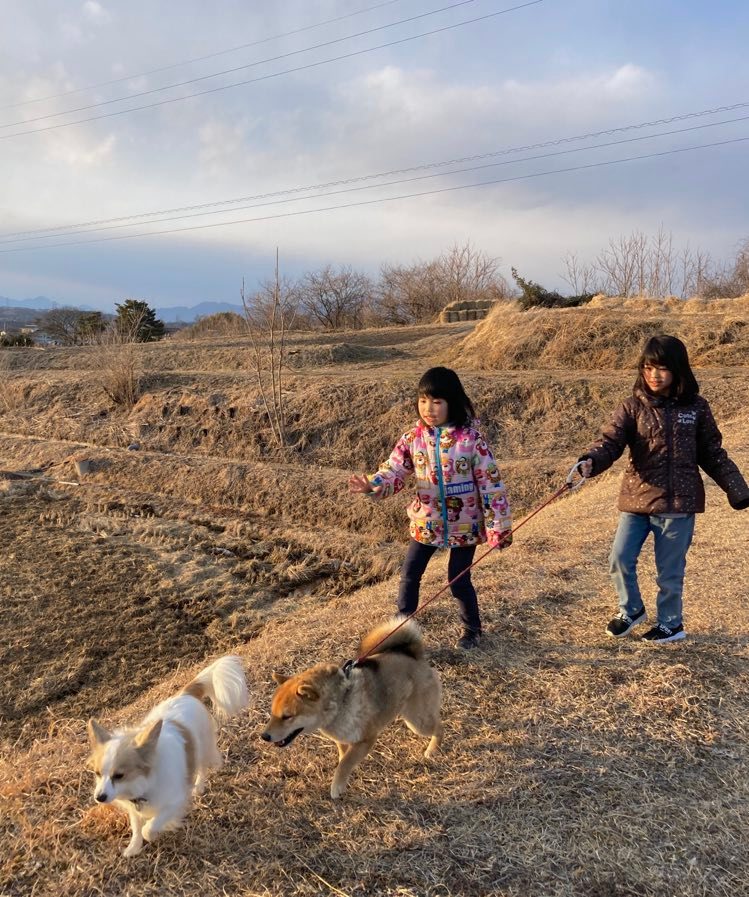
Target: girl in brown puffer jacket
x=671, y=433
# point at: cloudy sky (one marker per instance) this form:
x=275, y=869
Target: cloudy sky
x=550, y=69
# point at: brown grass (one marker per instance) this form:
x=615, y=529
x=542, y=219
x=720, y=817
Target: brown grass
x=607, y=335
x=574, y=766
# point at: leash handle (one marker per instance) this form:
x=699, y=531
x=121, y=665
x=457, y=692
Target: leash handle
x=570, y=481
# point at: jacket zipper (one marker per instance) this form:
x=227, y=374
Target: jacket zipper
x=669, y=460
x=440, y=482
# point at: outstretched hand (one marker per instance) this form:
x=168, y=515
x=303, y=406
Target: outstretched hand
x=586, y=468
x=360, y=483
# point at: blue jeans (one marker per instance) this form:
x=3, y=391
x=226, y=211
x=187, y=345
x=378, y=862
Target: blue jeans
x=417, y=558
x=672, y=536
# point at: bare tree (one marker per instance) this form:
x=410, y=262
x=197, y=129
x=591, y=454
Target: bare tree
x=420, y=291
x=469, y=273
x=731, y=279
x=639, y=265
x=621, y=264
x=583, y=278
x=410, y=293
x=61, y=324
x=335, y=298
x=269, y=315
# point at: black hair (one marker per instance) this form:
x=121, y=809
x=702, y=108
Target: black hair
x=670, y=353
x=444, y=383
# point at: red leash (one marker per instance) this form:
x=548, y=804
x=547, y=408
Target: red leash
x=569, y=486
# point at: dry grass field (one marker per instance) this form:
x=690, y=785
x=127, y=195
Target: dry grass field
x=572, y=764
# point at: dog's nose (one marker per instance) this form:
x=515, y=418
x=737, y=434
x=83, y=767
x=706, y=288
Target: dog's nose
x=266, y=736
x=101, y=798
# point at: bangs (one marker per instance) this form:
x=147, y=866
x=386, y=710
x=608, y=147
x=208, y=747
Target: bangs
x=655, y=353
x=435, y=385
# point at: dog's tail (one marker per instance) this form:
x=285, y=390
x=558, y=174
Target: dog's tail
x=224, y=683
x=406, y=640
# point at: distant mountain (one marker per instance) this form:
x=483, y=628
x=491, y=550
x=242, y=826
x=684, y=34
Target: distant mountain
x=193, y=312
x=185, y=313
x=40, y=302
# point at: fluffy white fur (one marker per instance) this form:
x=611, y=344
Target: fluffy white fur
x=151, y=771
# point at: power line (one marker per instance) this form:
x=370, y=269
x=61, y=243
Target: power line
x=300, y=68
x=4, y=242
x=559, y=141
x=369, y=202
x=175, y=65
x=239, y=68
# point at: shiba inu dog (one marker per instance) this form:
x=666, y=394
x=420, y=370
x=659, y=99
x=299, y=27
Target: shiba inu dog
x=353, y=707
x=151, y=771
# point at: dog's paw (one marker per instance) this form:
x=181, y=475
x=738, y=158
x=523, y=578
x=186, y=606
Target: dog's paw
x=133, y=849
x=149, y=832
x=337, y=789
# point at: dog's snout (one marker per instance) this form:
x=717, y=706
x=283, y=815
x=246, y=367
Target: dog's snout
x=101, y=798
x=266, y=736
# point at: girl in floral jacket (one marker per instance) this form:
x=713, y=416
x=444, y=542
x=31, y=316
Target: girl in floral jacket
x=460, y=499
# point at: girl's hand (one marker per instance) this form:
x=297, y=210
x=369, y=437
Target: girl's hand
x=499, y=540
x=360, y=483
x=586, y=468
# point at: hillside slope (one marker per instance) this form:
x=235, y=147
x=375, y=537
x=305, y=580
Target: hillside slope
x=573, y=765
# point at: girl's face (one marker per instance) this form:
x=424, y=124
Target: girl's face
x=657, y=378
x=433, y=411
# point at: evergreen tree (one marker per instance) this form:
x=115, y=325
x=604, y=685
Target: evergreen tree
x=89, y=326
x=137, y=320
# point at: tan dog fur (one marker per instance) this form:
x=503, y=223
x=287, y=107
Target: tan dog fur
x=352, y=710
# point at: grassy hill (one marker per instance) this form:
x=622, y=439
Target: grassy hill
x=572, y=764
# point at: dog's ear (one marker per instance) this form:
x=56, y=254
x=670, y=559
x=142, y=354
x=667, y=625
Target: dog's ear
x=97, y=734
x=146, y=743
x=305, y=690
x=279, y=677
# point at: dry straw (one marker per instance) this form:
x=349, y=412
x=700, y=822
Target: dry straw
x=573, y=765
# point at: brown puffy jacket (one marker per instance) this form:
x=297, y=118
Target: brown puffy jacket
x=668, y=443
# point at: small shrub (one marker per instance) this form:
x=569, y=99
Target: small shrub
x=15, y=339
x=533, y=295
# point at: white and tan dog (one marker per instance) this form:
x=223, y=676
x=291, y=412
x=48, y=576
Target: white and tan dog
x=352, y=708
x=151, y=771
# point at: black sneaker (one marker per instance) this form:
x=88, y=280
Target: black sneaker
x=623, y=623
x=469, y=640
x=661, y=635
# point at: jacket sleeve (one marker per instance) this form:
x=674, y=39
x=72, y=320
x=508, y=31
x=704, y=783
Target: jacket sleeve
x=493, y=494
x=714, y=460
x=391, y=476
x=614, y=438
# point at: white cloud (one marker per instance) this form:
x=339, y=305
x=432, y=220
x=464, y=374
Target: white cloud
x=79, y=153
x=96, y=12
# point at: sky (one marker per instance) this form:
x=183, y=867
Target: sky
x=540, y=73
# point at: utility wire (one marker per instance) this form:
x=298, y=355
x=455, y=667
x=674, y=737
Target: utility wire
x=369, y=202
x=423, y=177
x=559, y=141
x=240, y=68
x=300, y=68
x=176, y=65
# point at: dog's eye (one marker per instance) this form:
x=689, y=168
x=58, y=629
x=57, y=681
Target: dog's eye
x=117, y=776
x=286, y=716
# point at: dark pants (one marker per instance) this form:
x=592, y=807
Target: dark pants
x=417, y=558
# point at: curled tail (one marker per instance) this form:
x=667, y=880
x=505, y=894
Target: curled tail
x=406, y=640
x=224, y=683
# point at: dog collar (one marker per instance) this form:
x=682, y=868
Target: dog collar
x=348, y=668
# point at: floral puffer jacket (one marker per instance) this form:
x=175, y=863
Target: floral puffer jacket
x=460, y=497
